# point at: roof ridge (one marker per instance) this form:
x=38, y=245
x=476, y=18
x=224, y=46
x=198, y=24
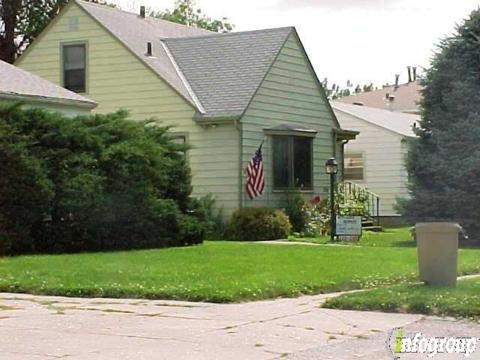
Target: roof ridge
x=339, y=103
x=228, y=34
x=147, y=17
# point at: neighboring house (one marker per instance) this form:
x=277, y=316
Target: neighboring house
x=19, y=85
x=376, y=159
x=223, y=93
x=403, y=98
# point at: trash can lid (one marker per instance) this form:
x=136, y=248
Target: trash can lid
x=438, y=226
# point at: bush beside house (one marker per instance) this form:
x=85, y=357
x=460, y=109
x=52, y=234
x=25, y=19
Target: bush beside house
x=97, y=182
x=254, y=224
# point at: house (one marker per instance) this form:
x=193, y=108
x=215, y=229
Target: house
x=376, y=159
x=399, y=97
x=224, y=94
x=19, y=85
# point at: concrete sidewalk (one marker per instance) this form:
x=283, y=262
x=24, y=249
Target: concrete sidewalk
x=40, y=327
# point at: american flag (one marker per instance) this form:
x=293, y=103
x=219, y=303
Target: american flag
x=254, y=172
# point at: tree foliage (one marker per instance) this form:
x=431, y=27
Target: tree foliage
x=91, y=183
x=335, y=91
x=185, y=12
x=444, y=162
x=21, y=21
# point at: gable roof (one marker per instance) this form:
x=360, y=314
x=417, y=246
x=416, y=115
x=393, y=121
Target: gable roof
x=394, y=121
x=224, y=71
x=218, y=74
x=16, y=83
x=406, y=98
x=134, y=32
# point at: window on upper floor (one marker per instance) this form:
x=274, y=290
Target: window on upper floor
x=74, y=67
x=354, y=166
x=292, y=162
x=180, y=139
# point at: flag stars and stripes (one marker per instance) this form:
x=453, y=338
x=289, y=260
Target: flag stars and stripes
x=255, y=177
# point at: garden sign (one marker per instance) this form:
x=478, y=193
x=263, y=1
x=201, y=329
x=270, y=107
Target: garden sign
x=348, y=227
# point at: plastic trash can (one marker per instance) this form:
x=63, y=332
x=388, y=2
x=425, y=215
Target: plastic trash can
x=437, y=250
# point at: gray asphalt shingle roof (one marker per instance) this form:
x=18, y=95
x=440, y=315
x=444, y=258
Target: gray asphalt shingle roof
x=398, y=122
x=15, y=82
x=224, y=71
x=217, y=73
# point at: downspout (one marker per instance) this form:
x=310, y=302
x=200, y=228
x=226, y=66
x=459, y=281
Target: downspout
x=238, y=126
x=345, y=142
x=334, y=145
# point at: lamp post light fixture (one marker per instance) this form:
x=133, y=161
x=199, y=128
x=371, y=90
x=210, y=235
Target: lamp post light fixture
x=331, y=168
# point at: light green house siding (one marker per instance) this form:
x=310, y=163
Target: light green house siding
x=118, y=79
x=288, y=94
x=67, y=110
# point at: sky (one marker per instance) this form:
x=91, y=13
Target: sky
x=358, y=40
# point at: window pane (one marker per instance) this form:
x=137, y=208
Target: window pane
x=74, y=57
x=74, y=67
x=353, y=166
x=281, y=161
x=74, y=80
x=180, y=140
x=302, y=162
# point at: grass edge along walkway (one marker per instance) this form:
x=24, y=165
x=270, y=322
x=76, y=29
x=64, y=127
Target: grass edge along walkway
x=216, y=271
x=460, y=301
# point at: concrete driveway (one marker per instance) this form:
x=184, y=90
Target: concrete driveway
x=40, y=328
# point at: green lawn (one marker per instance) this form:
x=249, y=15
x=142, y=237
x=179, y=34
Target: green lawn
x=460, y=301
x=397, y=237
x=216, y=271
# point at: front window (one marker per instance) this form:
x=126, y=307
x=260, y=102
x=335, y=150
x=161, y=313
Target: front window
x=74, y=66
x=292, y=162
x=354, y=166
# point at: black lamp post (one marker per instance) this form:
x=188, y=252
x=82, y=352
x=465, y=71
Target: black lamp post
x=331, y=168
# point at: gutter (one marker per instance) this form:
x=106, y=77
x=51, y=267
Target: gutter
x=209, y=120
x=343, y=134
x=48, y=100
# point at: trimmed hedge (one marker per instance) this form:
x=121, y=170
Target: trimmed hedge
x=100, y=182
x=255, y=224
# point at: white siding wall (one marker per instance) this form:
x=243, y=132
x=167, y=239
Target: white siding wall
x=384, y=160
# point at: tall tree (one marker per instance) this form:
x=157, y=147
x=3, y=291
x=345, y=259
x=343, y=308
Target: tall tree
x=444, y=162
x=185, y=12
x=21, y=21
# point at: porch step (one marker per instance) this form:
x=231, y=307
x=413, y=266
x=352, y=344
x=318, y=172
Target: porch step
x=373, y=228
x=366, y=223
